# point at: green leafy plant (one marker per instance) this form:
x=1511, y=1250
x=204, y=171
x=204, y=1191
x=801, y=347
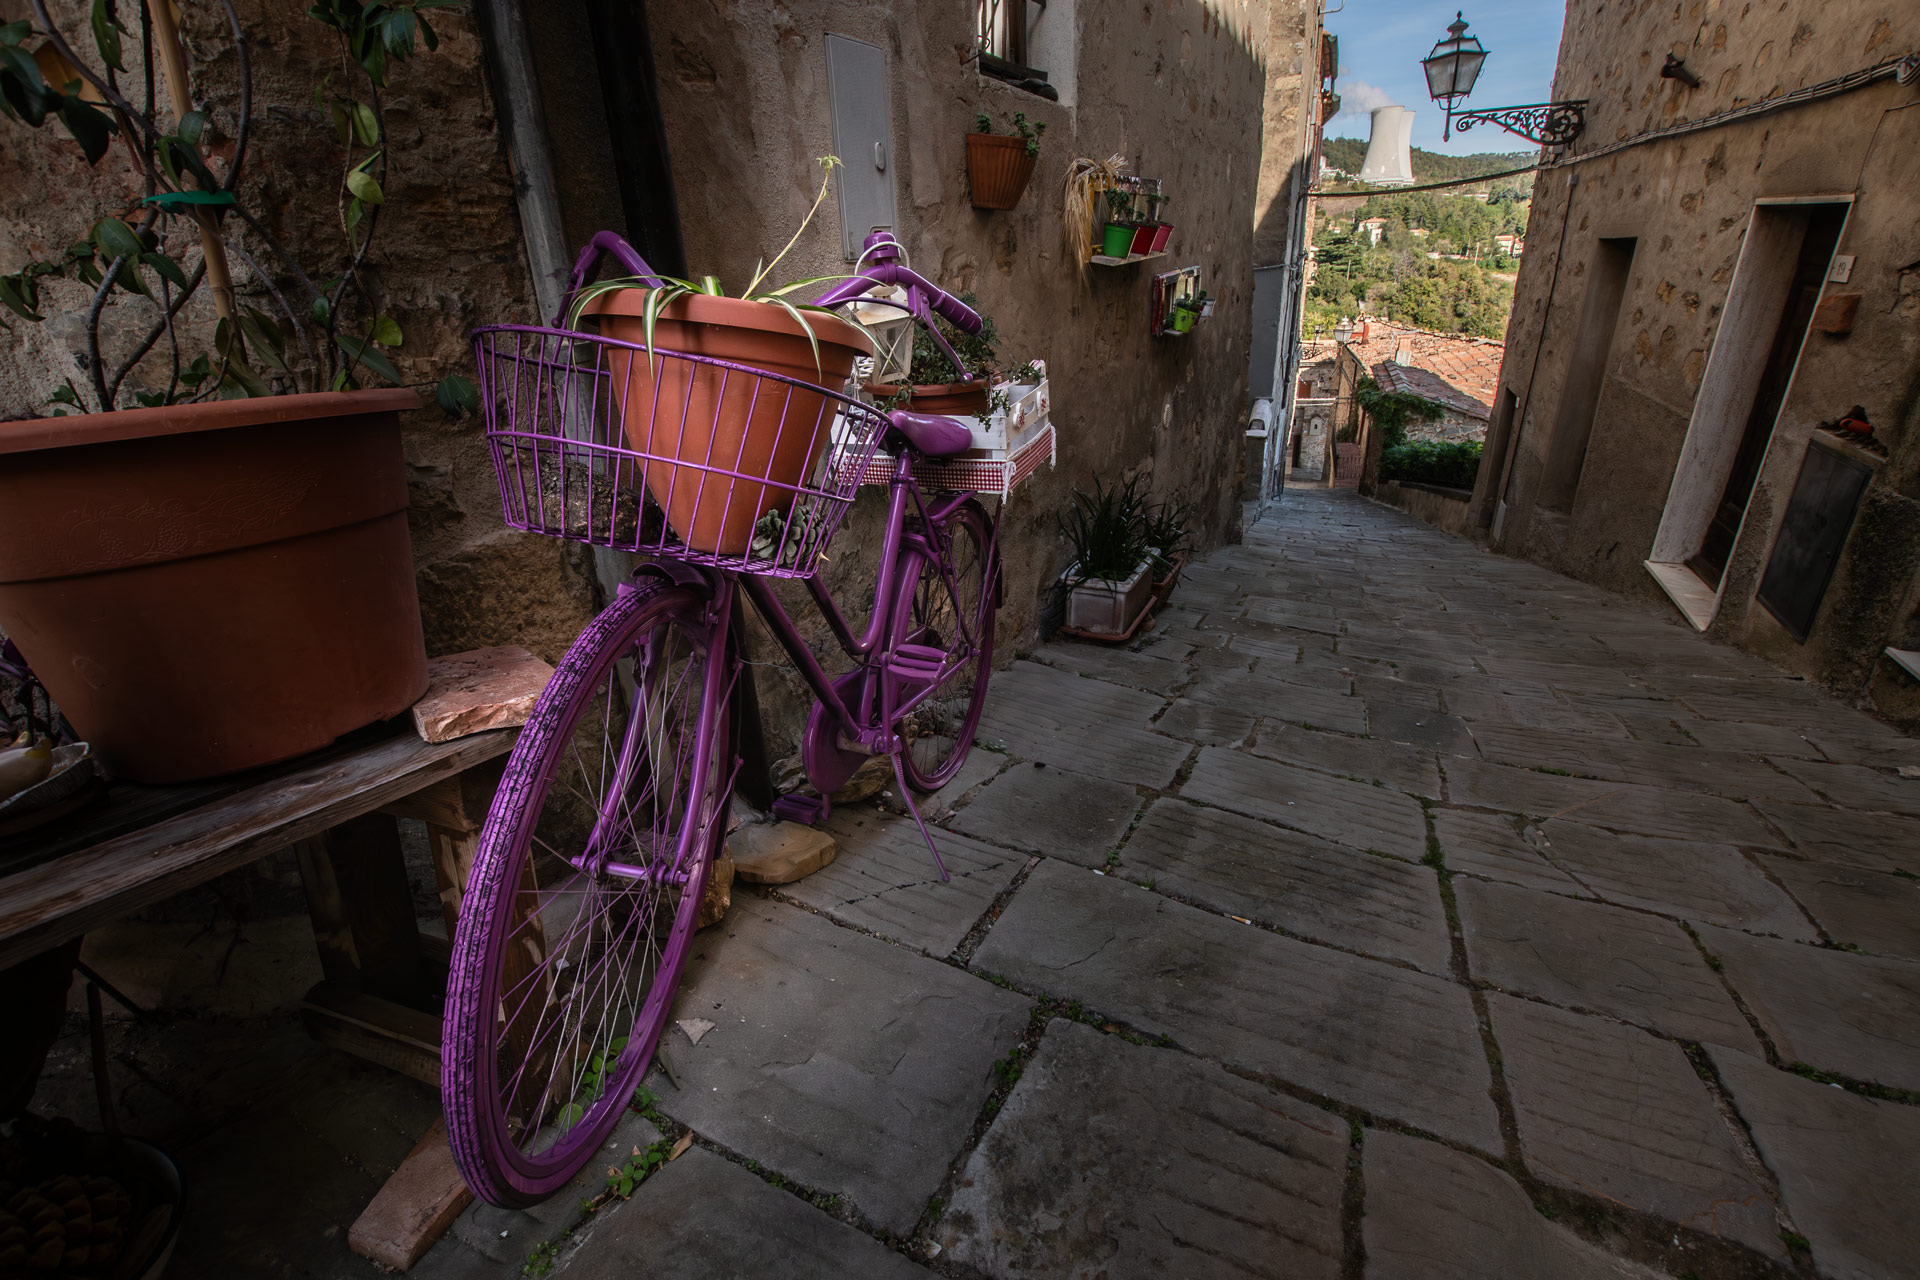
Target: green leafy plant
x=1028, y=131
x=978, y=351
x=288, y=333
x=1449, y=464
x=672, y=288
x=1393, y=412
x=625, y=1178
x=1164, y=526
x=1106, y=529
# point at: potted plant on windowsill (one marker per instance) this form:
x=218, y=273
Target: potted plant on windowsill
x=204, y=551
x=999, y=165
x=930, y=385
x=1110, y=579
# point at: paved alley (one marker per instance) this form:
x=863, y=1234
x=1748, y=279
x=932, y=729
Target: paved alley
x=1395, y=910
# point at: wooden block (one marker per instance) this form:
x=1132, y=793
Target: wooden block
x=718, y=895
x=779, y=852
x=392, y=1035
x=481, y=689
x=459, y=803
x=415, y=1207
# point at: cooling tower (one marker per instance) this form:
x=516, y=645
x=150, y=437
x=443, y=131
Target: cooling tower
x=1389, y=161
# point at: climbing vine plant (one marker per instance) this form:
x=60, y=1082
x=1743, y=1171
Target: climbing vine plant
x=180, y=221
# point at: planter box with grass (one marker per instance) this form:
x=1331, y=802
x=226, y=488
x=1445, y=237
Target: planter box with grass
x=1103, y=605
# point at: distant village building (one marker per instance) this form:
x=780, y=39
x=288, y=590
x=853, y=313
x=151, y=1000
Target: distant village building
x=1372, y=228
x=1511, y=245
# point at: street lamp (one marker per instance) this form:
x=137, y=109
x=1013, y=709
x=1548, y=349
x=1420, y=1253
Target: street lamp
x=1455, y=64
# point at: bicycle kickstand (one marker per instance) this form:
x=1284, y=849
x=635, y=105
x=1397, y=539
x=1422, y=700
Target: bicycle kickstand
x=906, y=796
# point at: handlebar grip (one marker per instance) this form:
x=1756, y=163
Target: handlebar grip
x=956, y=312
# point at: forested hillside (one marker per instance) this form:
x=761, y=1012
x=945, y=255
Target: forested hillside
x=1346, y=154
x=1436, y=265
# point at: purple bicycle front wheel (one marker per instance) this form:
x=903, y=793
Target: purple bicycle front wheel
x=956, y=615
x=584, y=895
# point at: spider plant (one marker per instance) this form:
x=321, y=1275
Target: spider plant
x=1107, y=530
x=1164, y=527
x=671, y=288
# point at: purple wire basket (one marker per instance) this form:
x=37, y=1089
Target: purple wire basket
x=590, y=448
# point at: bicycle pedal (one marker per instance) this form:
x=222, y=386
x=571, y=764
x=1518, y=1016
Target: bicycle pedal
x=916, y=662
x=804, y=809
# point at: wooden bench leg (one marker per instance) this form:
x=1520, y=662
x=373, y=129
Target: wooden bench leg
x=362, y=909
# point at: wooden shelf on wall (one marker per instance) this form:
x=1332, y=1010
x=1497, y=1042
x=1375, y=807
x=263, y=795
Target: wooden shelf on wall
x=1102, y=260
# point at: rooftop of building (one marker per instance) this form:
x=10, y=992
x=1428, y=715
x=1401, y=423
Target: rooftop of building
x=1458, y=371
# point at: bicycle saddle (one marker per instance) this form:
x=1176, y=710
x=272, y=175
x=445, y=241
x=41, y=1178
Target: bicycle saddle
x=929, y=434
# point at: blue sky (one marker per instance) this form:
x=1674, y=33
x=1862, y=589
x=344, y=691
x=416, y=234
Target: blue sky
x=1382, y=42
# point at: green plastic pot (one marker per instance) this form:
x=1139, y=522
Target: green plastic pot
x=1183, y=319
x=1117, y=240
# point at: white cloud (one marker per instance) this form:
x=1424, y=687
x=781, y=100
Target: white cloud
x=1358, y=98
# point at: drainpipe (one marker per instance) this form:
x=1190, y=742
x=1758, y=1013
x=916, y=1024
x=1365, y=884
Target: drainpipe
x=523, y=124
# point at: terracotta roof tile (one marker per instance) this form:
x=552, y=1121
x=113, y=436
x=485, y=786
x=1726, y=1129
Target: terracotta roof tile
x=1470, y=366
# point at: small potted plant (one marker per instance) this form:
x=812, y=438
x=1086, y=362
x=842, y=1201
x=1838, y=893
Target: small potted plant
x=1110, y=579
x=162, y=534
x=999, y=165
x=1185, y=312
x=1117, y=240
x=1164, y=528
x=931, y=387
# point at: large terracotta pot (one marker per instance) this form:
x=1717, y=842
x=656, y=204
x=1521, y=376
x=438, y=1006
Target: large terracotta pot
x=709, y=421
x=998, y=169
x=206, y=588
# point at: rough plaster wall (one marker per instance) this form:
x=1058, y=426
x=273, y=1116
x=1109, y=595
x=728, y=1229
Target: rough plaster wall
x=1292, y=100
x=1177, y=85
x=448, y=257
x=1688, y=202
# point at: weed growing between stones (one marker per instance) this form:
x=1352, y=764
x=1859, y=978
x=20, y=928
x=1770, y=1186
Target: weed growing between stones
x=625, y=1178
x=543, y=1256
x=1865, y=1088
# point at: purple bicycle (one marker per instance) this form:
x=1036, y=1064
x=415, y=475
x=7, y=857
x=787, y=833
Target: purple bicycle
x=586, y=885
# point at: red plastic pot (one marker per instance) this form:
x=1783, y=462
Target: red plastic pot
x=207, y=588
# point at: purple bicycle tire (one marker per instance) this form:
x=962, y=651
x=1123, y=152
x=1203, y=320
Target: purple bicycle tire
x=477, y=1128
x=928, y=781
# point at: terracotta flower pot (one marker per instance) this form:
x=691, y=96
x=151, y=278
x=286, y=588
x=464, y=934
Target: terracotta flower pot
x=998, y=168
x=206, y=588
x=692, y=418
x=955, y=399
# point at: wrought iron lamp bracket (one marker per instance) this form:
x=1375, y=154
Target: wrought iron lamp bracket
x=1550, y=124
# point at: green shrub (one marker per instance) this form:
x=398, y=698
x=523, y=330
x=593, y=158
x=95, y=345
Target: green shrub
x=1451, y=465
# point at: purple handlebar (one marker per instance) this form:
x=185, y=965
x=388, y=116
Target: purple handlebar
x=925, y=298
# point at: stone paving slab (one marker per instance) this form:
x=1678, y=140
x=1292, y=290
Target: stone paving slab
x=1386, y=688
x=1757, y=739
x=1278, y=700
x=1403, y=768
x=1677, y=815
x=1587, y=955
x=1351, y=813
x=1871, y=910
x=1052, y=811
x=1434, y=1213
x=1612, y=1112
x=1855, y=1015
x=486, y=1240
x=845, y=1063
x=1856, y=787
x=1650, y=763
x=703, y=1216
x=1879, y=842
x=1301, y=883
x=1396, y=1042
x=1533, y=713
x=1205, y=723
x=1128, y=1162
x=1711, y=883
x=884, y=880
x=1844, y=1164
x=1152, y=671
x=1493, y=845
x=1500, y=786
x=982, y=766
x=1433, y=730
x=1089, y=725
x=1878, y=747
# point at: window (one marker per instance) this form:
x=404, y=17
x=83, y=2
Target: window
x=1009, y=43
x=1580, y=392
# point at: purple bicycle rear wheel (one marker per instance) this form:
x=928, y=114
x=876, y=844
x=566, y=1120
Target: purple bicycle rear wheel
x=939, y=731
x=584, y=895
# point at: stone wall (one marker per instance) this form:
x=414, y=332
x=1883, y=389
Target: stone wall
x=1687, y=201
x=448, y=256
x=1445, y=509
